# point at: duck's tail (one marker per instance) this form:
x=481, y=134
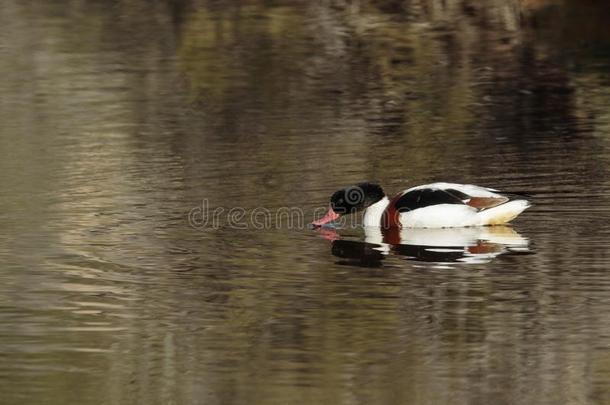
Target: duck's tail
x=504, y=213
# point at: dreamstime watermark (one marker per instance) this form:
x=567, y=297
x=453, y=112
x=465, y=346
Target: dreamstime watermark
x=203, y=217
x=350, y=200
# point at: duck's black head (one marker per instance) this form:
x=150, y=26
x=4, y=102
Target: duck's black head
x=350, y=200
x=356, y=198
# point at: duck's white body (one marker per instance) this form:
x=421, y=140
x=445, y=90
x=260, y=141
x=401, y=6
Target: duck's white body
x=444, y=205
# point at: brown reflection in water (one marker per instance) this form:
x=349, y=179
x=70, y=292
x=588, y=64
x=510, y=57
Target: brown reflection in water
x=118, y=119
x=445, y=81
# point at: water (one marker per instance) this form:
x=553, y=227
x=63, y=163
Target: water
x=119, y=119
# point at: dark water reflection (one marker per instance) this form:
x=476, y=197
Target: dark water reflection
x=118, y=118
x=474, y=245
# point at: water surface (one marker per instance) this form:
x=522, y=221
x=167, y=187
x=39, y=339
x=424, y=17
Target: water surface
x=119, y=118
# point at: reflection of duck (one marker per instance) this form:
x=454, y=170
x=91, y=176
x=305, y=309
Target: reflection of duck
x=357, y=253
x=436, y=205
x=465, y=245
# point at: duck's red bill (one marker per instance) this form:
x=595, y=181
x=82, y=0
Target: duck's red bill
x=329, y=217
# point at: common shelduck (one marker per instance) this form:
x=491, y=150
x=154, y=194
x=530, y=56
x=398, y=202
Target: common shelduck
x=436, y=205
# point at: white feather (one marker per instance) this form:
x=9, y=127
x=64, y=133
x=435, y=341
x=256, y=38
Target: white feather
x=372, y=215
x=440, y=216
x=504, y=213
x=450, y=215
x=470, y=189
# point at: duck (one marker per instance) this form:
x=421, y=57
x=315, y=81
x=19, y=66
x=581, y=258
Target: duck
x=434, y=205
